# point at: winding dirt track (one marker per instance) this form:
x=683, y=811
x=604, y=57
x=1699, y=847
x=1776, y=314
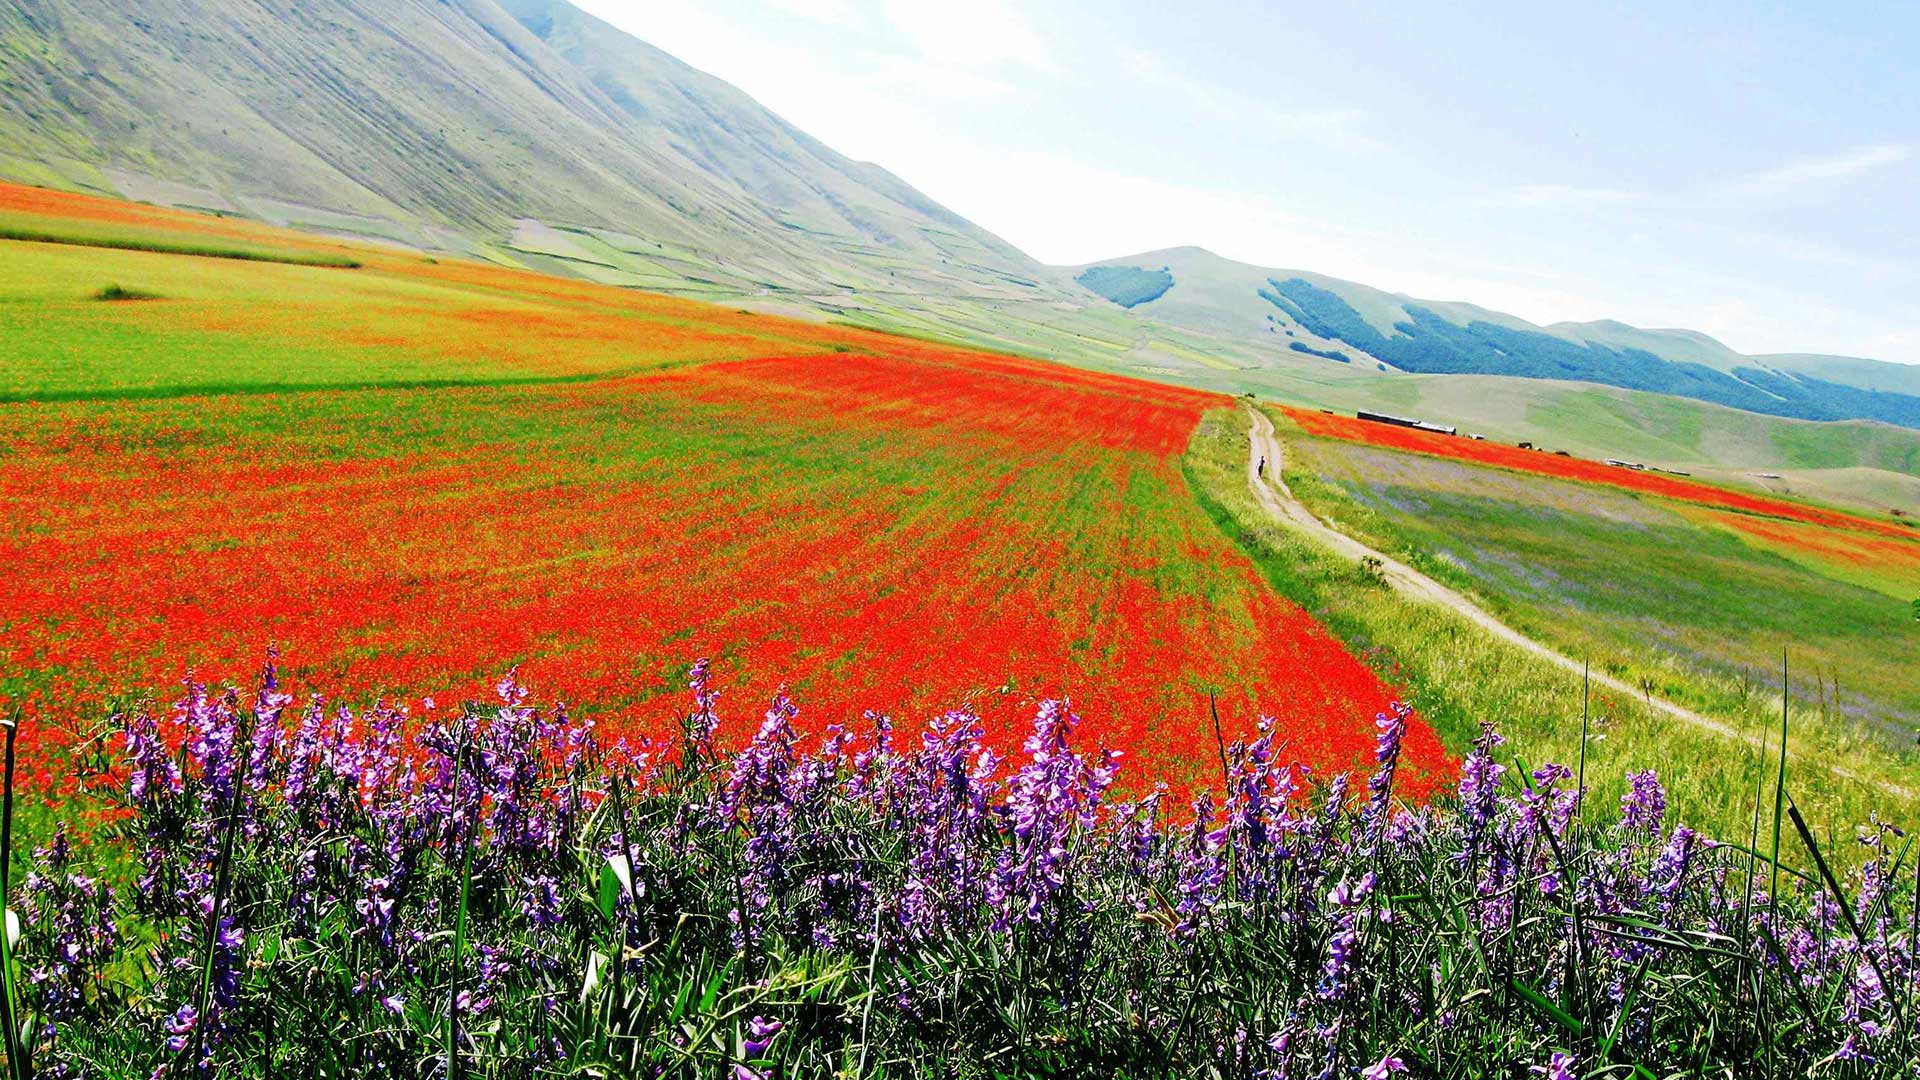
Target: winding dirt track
x=1279, y=501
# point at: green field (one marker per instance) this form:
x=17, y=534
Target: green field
x=1458, y=676
x=1646, y=591
x=116, y=238
x=281, y=325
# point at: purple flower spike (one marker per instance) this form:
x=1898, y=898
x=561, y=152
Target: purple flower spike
x=1644, y=805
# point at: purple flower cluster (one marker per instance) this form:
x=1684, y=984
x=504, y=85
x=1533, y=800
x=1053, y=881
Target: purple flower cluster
x=389, y=890
x=72, y=914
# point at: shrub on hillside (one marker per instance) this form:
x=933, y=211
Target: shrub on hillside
x=117, y=292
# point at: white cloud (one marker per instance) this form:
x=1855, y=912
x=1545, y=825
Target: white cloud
x=1149, y=69
x=1562, y=196
x=1902, y=346
x=1732, y=320
x=1800, y=174
x=977, y=34
x=816, y=10
x=930, y=79
x=1825, y=169
x=1338, y=127
x=1756, y=317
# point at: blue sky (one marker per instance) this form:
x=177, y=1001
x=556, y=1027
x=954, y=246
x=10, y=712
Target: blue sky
x=1750, y=170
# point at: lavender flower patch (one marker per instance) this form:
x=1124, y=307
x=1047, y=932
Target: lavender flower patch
x=494, y=891
x=1402, y=478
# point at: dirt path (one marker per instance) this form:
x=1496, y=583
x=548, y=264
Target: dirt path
x=1278, y=499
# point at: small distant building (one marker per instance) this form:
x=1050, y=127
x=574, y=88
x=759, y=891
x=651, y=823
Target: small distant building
x=1406, y=422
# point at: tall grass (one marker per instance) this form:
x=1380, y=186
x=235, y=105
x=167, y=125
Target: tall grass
x=491, y=891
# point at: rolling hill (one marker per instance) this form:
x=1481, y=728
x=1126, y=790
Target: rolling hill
x=1345, y=322
x=530, y=134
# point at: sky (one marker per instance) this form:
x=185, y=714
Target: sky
x=1750, y=170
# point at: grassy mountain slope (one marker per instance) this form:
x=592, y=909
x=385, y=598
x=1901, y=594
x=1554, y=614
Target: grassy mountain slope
x=530, y=134
x=467, y=126
x=1852, y=370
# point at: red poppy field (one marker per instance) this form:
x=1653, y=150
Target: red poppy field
x=874, y=522
x=1890, y=565
x=1352, y=429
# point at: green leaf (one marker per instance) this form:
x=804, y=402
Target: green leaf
x=712, y=993
x=1540, y=1001
x=614, y=880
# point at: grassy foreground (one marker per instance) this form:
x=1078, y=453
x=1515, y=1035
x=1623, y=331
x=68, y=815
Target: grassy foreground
x=491, y=891
x=1459, y=676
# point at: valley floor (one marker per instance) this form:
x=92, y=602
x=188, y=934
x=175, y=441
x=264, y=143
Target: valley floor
x=412, y=474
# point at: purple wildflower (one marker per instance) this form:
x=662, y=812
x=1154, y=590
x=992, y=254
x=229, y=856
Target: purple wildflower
x=760, y=1033
x=1644, y=804
x=179, y=1026
x=1384, y=1068
x=1560, y=1066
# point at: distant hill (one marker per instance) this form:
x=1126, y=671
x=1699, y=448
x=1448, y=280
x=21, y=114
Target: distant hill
x=1345, y=322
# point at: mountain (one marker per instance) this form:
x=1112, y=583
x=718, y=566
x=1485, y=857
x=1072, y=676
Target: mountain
x=524, y=131
x=529, y=133
x=1345, y=322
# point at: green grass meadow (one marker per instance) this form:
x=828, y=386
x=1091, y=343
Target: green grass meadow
x=1459, y=676
x=1691, y=611
x=218, y=326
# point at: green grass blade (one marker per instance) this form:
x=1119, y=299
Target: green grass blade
x=1546, y=1005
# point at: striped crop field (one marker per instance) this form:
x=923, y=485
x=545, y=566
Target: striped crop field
x=413, y=475
x=1877, y=562
x=1688, y=590
x=1351, y=429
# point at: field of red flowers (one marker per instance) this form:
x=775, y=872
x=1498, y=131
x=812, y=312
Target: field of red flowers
x=1892, y=565
x=1351, y=429
x=184, y=225
x=874, y=522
